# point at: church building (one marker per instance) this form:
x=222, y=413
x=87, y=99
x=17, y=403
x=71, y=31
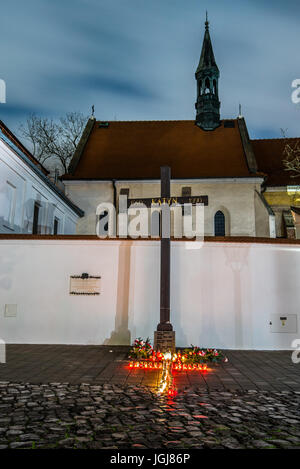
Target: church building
x=239, y=289
x=243, y=181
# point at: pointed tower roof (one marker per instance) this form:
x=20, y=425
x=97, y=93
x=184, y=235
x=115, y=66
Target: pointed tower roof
x=207, y=58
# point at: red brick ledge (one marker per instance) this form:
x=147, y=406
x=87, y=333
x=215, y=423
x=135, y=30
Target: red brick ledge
x=211, y=239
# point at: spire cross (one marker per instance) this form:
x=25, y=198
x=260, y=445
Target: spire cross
x=206, y=22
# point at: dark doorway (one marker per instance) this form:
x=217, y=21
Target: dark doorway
x=55, y=226
x=36, y=229
x=219, y=223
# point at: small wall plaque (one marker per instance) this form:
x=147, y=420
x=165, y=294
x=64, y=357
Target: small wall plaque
x=10, y=311
x=284, y=323
x=85, y=284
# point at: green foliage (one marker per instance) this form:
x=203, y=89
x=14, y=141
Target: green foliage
x=141, y=349
x=197, y=355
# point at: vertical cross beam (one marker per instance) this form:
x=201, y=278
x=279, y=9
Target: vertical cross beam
x=164, y=337
x=165, y=264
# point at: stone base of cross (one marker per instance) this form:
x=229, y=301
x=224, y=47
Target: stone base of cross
x=164, y=341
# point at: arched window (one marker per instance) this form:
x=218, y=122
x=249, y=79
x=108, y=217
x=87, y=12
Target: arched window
x=215, y=86
x=207, y=86
x=219, y=223
x=200, y=88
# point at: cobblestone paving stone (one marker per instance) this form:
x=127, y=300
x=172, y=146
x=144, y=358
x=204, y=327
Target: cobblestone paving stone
x=62, y=415
x=75, y=364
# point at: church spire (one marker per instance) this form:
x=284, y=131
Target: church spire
x=207, y=76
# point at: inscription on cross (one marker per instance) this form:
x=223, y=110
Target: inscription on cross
x=148, y=202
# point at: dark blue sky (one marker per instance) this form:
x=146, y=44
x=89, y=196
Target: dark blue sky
x=135, y=59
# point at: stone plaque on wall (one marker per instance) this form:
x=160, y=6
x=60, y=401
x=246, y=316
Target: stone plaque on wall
x=10, y=311
x=85, y=284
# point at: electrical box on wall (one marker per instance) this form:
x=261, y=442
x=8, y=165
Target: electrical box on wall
x=284, y=323
x=10, y=311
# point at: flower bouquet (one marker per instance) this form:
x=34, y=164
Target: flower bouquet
x=141, y=350
x=197, y=355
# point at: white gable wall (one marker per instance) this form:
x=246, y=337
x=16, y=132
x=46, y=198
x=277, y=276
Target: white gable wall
x=235, y=197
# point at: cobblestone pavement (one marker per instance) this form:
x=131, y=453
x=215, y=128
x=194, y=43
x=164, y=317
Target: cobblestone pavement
x=109, y=416
x=270, y=371
x=253, y=401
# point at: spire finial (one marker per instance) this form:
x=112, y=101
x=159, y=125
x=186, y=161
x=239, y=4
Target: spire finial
x=206, y=22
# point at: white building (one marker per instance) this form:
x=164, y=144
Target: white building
x=29, y=201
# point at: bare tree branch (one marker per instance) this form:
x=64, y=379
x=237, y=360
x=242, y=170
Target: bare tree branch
x=291, y=159
x=291, y=156
x=54, y=142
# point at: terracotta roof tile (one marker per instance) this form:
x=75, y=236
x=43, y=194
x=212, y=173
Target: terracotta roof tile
x=137, y=149
x=269, y=156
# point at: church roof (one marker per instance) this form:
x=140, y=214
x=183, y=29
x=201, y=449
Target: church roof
x=269, y=154
x=137, y=150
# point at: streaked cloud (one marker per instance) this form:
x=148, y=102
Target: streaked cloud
x=136, y=59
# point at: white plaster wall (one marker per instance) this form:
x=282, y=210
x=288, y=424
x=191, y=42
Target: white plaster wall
x=262, y=224
x=88, y=195
x=280, y=229
x=223, y=294
x=36, y=276
x=27, y=188
x=234, y=197
x=297, y=224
